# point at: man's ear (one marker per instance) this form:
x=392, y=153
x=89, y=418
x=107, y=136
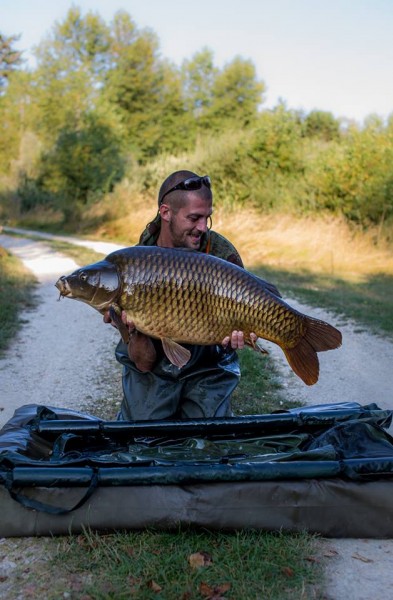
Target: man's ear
x=165, y=212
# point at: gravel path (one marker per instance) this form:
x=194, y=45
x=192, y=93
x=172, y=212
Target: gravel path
x=64, y=356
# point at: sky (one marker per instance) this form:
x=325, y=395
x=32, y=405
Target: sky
x=332, y=55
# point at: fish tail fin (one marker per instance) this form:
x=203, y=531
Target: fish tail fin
x=318, y=337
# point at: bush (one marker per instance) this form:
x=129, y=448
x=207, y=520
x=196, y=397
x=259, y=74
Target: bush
x=354, y=177
x=83, y=165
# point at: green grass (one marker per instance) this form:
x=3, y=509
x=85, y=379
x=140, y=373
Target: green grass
x=80, y=254
x=17, y=293
x=145, y=565
x=369, y=302
x=260, y=390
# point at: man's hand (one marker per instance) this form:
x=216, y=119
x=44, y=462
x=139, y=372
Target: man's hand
x=140, y=347
x=236, y=340
x=120, y=322
x=107, y=318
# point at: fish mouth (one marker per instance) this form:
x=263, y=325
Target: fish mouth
x=63, y=287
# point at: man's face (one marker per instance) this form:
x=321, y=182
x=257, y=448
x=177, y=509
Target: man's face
x=187, y=225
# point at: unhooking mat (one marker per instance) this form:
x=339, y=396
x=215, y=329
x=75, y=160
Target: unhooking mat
x=325, y=469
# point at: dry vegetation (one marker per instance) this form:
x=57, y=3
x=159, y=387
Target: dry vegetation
x=327, y=245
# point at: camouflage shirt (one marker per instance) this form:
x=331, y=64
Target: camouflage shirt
x=211, y=243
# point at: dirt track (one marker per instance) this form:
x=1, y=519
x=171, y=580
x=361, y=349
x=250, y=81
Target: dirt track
x=64, y=357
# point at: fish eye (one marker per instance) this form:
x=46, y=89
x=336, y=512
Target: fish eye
x=83, y=276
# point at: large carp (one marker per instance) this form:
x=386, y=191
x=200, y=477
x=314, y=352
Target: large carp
x=183, y=296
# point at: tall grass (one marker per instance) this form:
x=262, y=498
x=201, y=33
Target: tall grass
x=17, y=288
x=326, y=245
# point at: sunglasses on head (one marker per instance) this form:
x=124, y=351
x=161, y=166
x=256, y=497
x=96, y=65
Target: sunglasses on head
x=192, y=183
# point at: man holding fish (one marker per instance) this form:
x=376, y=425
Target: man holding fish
x=183, y=304
x=153, y=387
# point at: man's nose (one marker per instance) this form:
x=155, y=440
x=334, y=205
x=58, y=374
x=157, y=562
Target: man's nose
x=202, y=225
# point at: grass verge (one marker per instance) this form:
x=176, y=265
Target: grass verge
x=80, y=254
x=17, y=293
x=191, y=565
x=260, y=390
x=368, y=301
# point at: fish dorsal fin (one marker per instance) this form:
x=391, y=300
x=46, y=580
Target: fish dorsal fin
x=175, y=353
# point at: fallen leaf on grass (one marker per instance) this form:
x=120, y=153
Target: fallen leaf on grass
x=134, y=584
x=288, y=571
x=154, y=586
x=200, y=559
x=215, y=592
x=362, y=558
x=312, y=559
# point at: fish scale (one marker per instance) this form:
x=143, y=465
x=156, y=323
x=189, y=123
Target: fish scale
x=211, y=302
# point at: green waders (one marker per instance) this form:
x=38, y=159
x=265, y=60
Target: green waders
x=202, y=388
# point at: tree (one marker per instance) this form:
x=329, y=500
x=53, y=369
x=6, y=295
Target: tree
x=18, y=115
x=71, y=65
x=84, y=163
x=322, y=124
x=237, y=95
x=144, y=90
x=198, y=76
x=353, y=176
x=10, y=58
x=221, y=99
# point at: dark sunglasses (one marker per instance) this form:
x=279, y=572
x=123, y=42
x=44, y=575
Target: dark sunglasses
x=193, y=183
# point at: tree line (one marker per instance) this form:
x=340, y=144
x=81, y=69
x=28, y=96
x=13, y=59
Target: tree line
x=102, y=105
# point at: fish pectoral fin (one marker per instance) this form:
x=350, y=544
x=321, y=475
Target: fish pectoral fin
x=175, y=353
x=257, y=345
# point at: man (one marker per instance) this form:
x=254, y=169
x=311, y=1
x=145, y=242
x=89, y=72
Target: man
x=153, y=387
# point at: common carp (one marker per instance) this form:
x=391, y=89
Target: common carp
x=185, y=297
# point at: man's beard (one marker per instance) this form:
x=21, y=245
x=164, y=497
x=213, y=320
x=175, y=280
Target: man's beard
x=183, y=239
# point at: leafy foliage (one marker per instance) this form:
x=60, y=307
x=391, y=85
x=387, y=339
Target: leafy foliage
x=9, y=57
x=104, y=105
x=83, y=163
x=354, y=176
x=321, y=124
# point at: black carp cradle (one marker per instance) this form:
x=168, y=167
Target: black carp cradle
x=184, y=296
